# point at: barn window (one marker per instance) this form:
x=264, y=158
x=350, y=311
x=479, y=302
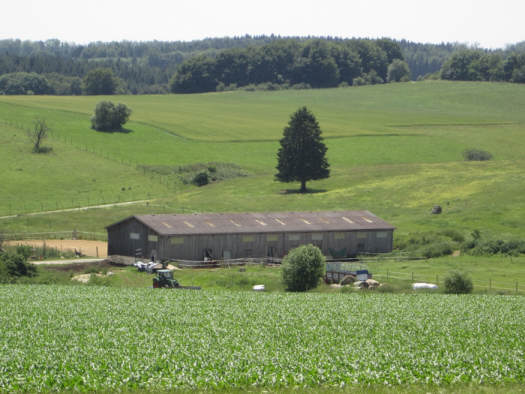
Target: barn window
x=339, y=235
x=381, y=234
x=317, y=237
x=362, y=235
x=248, y=238
x=294, y=237
x=272, y=238
x=177, y=240
x=134, y=235
x=153, y=238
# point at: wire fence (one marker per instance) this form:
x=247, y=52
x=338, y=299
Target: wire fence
x=17, y=206
x=489, y=285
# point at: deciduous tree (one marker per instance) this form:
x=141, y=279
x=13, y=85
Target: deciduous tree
x=398, y=71
x=100, y=81
x=38, y=134
x=110, y=117
x=302, y=268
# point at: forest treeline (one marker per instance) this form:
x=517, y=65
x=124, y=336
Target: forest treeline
x=314, y=63
x=478, y=65
x=55, y=67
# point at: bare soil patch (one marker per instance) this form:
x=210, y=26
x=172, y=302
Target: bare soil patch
x=79, y=267
x=87, y=248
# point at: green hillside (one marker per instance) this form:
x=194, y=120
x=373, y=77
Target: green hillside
x=394, y=149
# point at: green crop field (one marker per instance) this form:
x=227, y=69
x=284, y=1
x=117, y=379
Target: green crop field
x=394, y=149
x=110, y=339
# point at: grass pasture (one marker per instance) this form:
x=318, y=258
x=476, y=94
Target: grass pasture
x=490, y=275
x=394, y=149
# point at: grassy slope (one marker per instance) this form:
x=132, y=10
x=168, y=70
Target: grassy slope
x=393, y=149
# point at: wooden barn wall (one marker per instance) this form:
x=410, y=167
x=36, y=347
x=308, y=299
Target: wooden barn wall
x=223, y=246
x=125, y=238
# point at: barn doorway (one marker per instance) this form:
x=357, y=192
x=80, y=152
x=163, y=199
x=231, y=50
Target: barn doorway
x=208, y=254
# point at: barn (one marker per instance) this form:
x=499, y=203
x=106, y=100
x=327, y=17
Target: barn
x=240, y=235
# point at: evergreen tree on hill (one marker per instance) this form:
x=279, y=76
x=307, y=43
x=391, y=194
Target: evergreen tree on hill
x=302, y=154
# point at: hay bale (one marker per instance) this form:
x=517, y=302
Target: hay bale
x=347, y=280
x=361, y=284
x=372, y=283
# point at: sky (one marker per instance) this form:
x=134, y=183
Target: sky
x=487, y=24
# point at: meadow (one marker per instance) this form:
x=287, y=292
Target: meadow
x=109, y=339
x=394, y=149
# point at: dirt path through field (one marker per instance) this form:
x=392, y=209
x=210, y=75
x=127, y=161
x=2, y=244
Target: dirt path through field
x=117, y=204
x=87, y=248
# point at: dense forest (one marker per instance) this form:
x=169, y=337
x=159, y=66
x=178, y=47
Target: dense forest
x=477, y=65
x=314, y=63
x=55, y=67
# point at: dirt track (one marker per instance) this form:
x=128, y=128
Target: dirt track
x=87, y=248
x=116, y=204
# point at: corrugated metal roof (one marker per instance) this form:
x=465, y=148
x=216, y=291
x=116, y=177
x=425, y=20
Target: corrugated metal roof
x=230, y=223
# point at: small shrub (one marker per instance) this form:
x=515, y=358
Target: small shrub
x=454, y=235
x=437, y=250
x=301, y=86
x=476, y=155
x=458, y=283
x=24, y=250
x=302, y=268
x=494, y=246
x=359, y=81
x=201, y=179
x=430, y=244
x=110, y=117
x=13, y=266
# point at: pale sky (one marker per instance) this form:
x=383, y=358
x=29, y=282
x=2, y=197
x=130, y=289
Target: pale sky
x=489, y=24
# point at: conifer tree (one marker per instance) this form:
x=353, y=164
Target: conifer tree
x=301, y=156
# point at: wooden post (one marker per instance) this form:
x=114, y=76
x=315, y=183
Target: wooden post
x=97, y=251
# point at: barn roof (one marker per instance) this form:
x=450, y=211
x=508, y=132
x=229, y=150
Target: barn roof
x=230, y=223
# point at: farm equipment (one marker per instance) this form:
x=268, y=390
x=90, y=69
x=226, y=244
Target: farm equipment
x=165, y=279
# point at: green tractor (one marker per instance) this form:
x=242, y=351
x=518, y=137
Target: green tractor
x=165, y=279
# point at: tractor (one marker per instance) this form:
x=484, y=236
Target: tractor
x=164, y=279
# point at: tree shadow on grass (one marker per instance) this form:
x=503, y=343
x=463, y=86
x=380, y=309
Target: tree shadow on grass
x=298, y=191
x=122, y=130
x=43, y=149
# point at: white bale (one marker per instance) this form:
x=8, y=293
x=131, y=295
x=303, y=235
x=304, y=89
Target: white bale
x=422, y=285
x=372, y=283
x=258, y=288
